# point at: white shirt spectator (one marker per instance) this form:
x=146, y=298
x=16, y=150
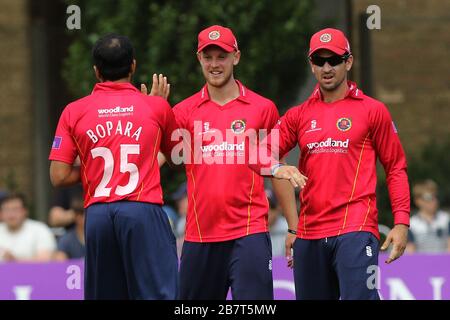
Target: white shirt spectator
x=431, y=236
x=33, y=237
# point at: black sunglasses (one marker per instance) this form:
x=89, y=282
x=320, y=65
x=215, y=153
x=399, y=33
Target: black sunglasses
x=333, y=61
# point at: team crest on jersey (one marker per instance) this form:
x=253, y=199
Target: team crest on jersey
x=238, y=126
x=214, y=35
x=326, y=37
x=344, y=124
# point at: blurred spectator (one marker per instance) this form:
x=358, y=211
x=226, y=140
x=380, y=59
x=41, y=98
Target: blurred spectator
x=3, y=195
x=430, y=226
x=277, y=225
x=172, y=215
x=61, y=215
x=23, y=239
x=71, y=245
x=181, y=199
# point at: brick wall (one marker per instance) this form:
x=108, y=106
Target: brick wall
x=15, y=103
x=411, y=64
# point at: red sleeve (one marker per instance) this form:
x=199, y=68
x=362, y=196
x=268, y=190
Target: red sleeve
x=390, y=152
x=282, y=138
x=271, y=117
x=64, y=147
x=288, y=128
x=168, y=126
x=180, y=115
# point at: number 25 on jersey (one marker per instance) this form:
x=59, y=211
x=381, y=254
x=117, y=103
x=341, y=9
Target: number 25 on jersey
x=125, y=149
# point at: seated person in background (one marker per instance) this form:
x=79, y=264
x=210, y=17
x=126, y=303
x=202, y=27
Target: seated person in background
x=429, y=230
x=61, y=214
x=3, y=194
x=23, y=239
x=277, y=225
x=71, y=245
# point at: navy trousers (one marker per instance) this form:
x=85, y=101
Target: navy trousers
x=130, y=252
x=336, y=268
x=208, y=270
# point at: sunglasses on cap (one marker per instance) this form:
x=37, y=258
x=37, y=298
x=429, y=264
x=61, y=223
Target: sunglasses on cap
x=333, y=61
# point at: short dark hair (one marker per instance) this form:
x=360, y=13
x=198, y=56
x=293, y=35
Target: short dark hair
x=113, y=56
x=14, y=196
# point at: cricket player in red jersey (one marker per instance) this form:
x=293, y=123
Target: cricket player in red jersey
x=227, y=243
x=117, y=132
x=341, y=132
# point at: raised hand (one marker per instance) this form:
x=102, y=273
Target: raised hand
x=160, y=87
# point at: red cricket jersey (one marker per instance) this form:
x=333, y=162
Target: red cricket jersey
x=339, y=144
x=226, y=198
x=117, y=132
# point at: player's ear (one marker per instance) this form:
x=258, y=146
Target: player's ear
x=311, y=65
x=133, y=67
x=236, y=57
x=199, y=56
x=349, y=63
x=97, y=74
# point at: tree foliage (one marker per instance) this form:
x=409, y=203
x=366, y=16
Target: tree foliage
x=431, y=163
x=272, y=35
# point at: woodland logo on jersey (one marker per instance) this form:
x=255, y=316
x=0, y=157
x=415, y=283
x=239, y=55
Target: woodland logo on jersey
x=236, y=145
x=117, y=111
x=329, y=146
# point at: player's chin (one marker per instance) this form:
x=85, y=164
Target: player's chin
x=328, y=85
x=216, y=81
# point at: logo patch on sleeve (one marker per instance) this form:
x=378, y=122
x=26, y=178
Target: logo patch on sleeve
x=394, y=127
x=57, y=143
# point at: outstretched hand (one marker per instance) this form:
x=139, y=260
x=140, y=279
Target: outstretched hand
x=292, y=174
x=160, y=87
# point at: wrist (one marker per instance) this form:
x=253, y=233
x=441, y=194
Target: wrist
x=292, y=231
x=275, y=167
